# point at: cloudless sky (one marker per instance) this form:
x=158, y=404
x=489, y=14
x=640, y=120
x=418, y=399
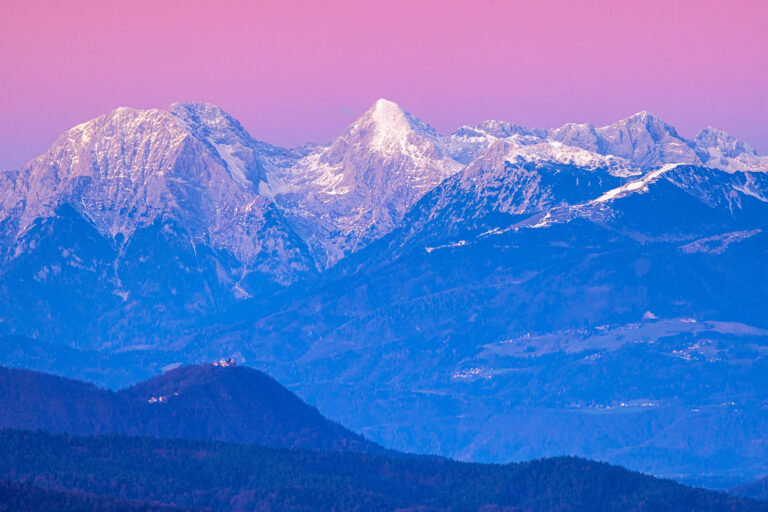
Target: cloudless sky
x=298, y=71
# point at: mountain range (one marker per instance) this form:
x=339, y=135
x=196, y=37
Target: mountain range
x=499, y=293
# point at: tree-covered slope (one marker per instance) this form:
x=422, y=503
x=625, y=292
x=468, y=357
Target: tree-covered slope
x=229, y=477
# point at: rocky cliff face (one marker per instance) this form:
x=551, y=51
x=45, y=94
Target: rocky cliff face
x=140, y=220
x=127, y=169
x=641, y=140
x=352, y=191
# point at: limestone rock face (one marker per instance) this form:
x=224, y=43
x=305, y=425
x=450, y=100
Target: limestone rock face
x=352, y=191
x=125, y=170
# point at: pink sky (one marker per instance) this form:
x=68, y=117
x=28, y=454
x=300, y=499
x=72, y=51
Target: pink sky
x=297, y=71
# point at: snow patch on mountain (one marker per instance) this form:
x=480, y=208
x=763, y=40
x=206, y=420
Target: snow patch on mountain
x=635, y=186
x=559, y=153
x=718, y=244
x=235, y=165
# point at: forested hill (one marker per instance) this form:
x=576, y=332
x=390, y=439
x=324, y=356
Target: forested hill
x=756, y=490
x=28, y=498
x=230, y=403
x=229, y=477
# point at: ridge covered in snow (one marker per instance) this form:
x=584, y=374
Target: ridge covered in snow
x=195, y=162
x=129, y=169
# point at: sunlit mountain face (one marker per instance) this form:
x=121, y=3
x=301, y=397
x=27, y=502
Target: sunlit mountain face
x=494, y=294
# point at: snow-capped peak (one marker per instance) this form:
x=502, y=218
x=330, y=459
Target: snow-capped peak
x=725, y=143
x=720, y=150
x=390, y=124
x=644, y=120
x=202, y=113
x=643, y=116
x=504, y=129
x=647, y=141
x=129, y=168
x=582, y=135
x=640, y=122
x=361, y=184
x=387, y=128
x=385, y=110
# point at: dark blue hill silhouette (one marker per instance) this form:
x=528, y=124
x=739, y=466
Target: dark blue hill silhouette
x=757, y=490
x=236, y=404
x=15, y=496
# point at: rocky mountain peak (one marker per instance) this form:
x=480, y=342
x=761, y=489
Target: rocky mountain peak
x=207, y=121
x=384, y=110
x=644, y=117
x=386, y=128
x=357, y=188
x=505, y=129
x=640, y=124
x=582, y=135
x=724, y=142
x=647, y=141
x=246, y=158
x=97, y=162
x=130, y=168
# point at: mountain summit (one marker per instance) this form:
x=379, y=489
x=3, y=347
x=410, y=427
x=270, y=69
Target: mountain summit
x=145, y=215
x=389, y=129
x=130, y=168
x=357, y=188
x=643, y=139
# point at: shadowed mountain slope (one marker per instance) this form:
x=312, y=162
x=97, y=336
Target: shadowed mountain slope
x=198, y=402
x=757, y=490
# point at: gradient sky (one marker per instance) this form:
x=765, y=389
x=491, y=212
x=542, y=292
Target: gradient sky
x=297, y=71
